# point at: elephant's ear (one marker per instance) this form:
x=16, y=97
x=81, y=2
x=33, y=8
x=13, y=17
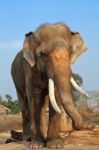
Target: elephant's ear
x=29, y=47
x=29, y=57
x=78, y=46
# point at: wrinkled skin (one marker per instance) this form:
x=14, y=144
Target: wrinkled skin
x=47, y=53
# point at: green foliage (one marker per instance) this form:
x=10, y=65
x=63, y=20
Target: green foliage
x=75, y=93
x=12, y=104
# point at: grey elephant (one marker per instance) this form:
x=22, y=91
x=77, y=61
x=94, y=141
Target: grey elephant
x=44, y=62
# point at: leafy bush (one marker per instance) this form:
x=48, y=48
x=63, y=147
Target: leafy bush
x=75, y=93
x=10, y=103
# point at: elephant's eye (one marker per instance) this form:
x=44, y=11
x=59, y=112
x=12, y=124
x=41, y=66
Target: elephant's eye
x=44, y=56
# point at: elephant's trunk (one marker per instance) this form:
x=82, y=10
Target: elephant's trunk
x=63, y=86
x=62, y=79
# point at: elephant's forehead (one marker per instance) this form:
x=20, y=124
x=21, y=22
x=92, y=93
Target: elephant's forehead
x=53, y=32
x=60, y=52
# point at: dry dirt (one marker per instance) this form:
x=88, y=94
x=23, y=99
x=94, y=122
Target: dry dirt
x=76, y=140
x=10, y=122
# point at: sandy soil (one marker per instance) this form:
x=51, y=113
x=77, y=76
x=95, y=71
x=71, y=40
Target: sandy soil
x=10, y=122
x=15, y=146
x=77, y=140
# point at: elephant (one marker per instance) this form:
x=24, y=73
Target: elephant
x=42, y=64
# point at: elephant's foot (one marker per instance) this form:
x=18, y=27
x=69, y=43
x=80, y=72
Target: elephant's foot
x=55, y=143
x=36, y=144
x=26, y=136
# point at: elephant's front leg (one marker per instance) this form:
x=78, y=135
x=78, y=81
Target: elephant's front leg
x=53, y=136
x=37, y=140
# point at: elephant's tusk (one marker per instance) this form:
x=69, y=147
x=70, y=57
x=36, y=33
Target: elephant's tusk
x=52, y=96
x=78, y=88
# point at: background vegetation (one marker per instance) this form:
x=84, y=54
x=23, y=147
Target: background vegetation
x=75, y=93
x=10, y=103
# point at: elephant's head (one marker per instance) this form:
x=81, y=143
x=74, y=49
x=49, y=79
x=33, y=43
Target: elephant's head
x=52, y=48
x=78, y=45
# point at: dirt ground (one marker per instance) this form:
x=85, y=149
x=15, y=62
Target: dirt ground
x=10, y=122
x=67, y=147
x=76, y=140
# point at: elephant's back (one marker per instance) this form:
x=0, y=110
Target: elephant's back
x=16, y=64
x=17, y=71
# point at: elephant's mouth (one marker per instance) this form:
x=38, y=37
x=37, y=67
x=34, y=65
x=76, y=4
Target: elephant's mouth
x=52, y=93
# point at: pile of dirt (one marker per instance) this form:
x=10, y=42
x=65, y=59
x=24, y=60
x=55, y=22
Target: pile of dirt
x=84, y=137
x=76, y=140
